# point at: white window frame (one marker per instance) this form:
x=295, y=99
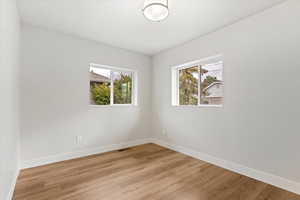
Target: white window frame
x=112, y=69
x=175, y=79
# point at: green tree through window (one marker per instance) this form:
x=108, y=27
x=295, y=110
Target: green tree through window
x=188, y=86
x=122, y=88
x=101, y=93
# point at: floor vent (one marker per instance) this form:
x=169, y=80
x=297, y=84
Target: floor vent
x=126, y=149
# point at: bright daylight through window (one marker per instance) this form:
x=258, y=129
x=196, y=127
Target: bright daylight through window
x=198, y=83
x=111, y=86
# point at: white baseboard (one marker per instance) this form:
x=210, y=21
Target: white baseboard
x=268, y=178
x=81, y=153
x=13, y=185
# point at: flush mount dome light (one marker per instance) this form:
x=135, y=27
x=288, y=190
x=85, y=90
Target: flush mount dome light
x=156, y=10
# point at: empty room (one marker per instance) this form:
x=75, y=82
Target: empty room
x=149, y=100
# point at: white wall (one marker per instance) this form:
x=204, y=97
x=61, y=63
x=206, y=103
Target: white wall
x=55, y=95
x=259, y=124
x=9, y=118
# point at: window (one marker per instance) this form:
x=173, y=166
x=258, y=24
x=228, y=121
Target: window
x=112, y=86
x=198, y=83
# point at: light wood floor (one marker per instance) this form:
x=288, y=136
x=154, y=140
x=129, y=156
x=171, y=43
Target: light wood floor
x=141, y=173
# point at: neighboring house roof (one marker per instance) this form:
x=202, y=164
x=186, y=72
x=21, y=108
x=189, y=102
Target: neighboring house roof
x=212, y=84
x=98, y=78
x=214, y=91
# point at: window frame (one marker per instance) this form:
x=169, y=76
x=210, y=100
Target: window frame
x=113, y=69
x=175, y=80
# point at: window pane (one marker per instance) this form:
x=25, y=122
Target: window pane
x=188, y=86
x=211, y=86
x=122, y=87
x=99, y=86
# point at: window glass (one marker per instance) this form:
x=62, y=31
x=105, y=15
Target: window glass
x=122, y=87
x=211, y=86
x=188, y=86
x=100, y=86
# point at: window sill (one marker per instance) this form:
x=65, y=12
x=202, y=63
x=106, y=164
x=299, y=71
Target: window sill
x=111, y=106
x=198, y=106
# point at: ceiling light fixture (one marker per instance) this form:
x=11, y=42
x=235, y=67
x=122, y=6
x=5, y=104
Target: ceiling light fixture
x=156, y=10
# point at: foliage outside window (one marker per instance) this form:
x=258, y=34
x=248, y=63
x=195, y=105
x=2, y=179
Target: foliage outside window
x=111, y=87
x=122, y=87
x=188, y=86
x=200, y=83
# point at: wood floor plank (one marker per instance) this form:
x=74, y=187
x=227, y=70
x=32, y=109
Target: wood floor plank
x=146, y=172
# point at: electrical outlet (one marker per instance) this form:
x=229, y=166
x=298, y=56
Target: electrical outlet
x=164, y=132
x=79, y=139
